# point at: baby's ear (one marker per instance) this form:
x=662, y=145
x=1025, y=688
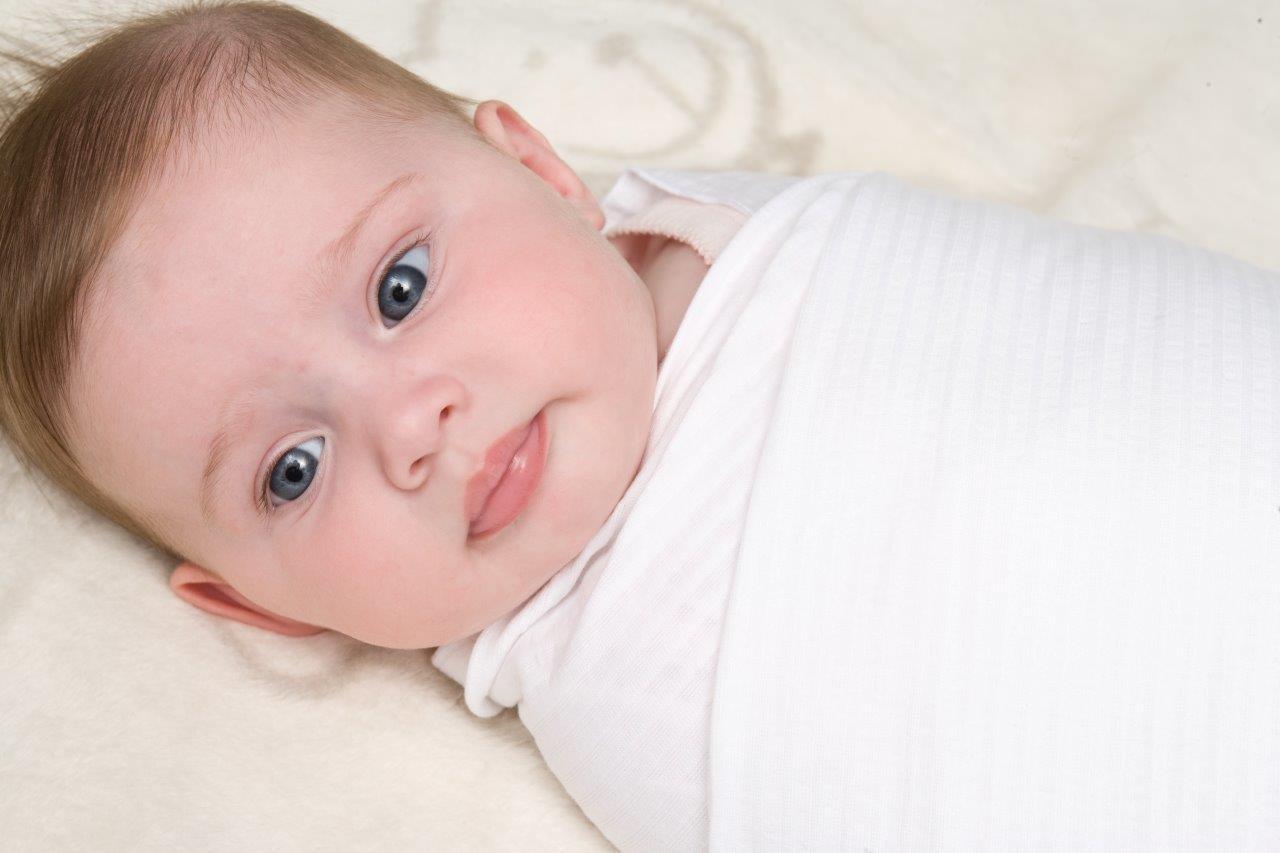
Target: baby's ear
x=203, y=589
x=509, y=132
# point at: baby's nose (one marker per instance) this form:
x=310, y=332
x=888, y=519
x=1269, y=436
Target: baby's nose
x=411, y=426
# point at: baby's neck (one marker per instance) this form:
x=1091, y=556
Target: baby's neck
x=672, y=270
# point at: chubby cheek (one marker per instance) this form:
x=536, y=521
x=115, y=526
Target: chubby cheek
x=530, y=279
x=375, y=577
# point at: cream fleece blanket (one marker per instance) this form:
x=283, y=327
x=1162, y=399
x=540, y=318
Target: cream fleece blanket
x=131, y=722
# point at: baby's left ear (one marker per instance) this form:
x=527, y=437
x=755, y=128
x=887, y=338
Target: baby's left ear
x=201, y=588
x=504, y=127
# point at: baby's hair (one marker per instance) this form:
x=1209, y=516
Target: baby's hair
x=83, y=137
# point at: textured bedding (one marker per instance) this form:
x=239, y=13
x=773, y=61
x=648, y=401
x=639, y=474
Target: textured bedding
x=131, y=721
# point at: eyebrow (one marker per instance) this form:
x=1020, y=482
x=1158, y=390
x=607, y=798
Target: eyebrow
x=232, y=416
x=336, y=255
x=231, y=421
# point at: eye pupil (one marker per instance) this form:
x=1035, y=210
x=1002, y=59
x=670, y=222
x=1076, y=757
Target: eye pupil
x=293, y=473
x=401, y=293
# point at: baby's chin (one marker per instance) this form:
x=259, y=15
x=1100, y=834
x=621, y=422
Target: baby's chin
x=554, y=537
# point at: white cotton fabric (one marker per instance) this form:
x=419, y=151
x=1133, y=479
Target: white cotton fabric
x=612, y=661
x=959, y=528
x=1009, y=575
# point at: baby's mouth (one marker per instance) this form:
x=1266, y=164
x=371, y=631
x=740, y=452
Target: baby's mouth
x=512, y=468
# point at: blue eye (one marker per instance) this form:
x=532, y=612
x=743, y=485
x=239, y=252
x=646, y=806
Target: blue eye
x=403, y=285
x=294, y=470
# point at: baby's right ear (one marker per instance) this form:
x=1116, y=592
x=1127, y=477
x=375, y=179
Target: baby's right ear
x=202, y=588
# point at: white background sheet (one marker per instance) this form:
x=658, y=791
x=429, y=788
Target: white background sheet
x=130, y=721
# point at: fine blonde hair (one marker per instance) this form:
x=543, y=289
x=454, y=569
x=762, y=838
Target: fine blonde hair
x=81, y=138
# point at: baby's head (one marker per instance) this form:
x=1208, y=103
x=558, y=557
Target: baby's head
x=266, y=301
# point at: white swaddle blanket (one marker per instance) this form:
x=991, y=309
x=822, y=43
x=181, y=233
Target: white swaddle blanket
x=959, y=528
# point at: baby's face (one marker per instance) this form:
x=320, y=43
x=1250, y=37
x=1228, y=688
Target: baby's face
x=356, y=405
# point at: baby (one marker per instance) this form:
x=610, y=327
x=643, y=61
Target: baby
x=359, y=362
x=337, y=310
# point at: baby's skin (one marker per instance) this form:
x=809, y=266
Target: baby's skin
x=239, y=297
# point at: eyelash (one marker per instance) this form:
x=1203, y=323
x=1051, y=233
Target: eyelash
x=420, y=239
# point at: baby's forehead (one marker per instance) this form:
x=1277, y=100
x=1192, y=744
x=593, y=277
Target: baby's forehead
x=228, y=239
x=245, y=195
x=258, y=205
x=268, y=151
